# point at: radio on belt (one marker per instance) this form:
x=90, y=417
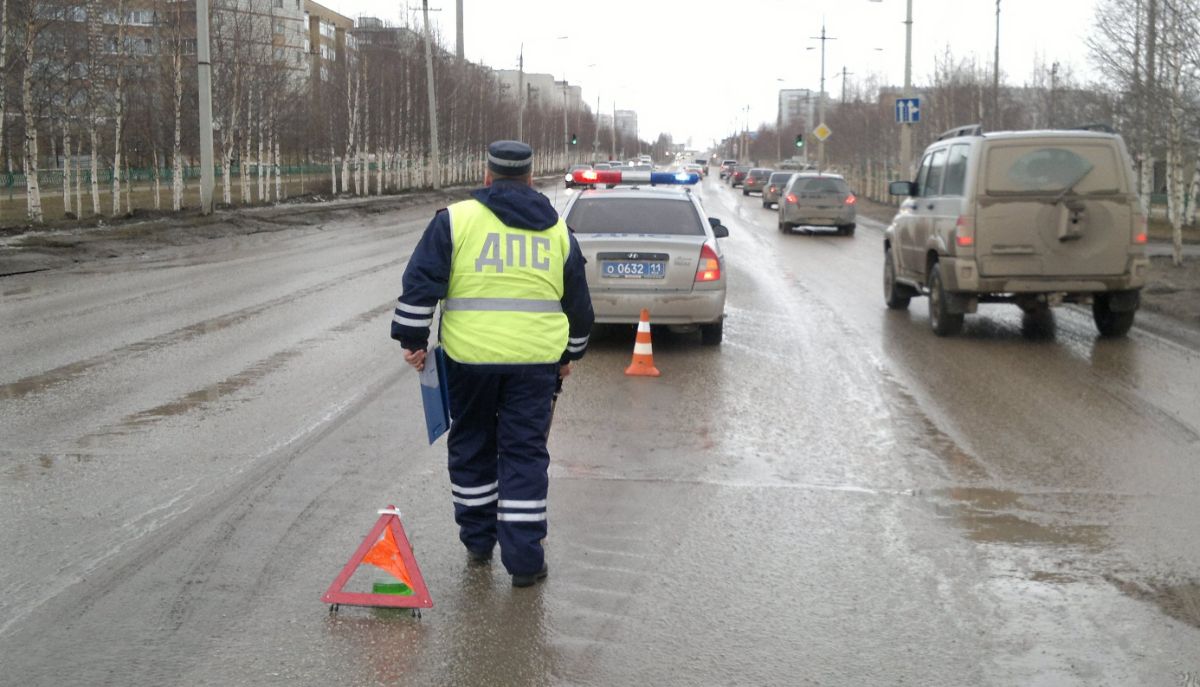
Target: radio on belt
x=608, y=176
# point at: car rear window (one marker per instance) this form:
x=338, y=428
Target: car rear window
x=780, y=177
x=824, y=185
x=760, y=172
x=635, y=216
x=1053, y=168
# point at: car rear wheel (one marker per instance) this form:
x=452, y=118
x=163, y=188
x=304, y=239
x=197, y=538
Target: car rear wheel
x=766, y=205
x=846, y=230
x=1111, y=323
x=943, y=322
x=745, y=192
x=711, y=334
x=784, y=227
x=896, y=295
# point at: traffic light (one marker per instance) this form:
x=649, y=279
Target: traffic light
x=574, y=140
x=799, y=141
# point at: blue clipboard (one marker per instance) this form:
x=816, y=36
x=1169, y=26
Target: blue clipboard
x=435, y=394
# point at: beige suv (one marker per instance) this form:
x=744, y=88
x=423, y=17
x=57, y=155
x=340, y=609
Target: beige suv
x=1035, y=218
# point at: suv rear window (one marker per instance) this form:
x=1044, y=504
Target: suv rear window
x=1053, y=168
x=823, y=185
x=635, y=216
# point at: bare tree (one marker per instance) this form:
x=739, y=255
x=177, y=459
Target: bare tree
x=35, y=22
x=119, y=104
x=95, y=39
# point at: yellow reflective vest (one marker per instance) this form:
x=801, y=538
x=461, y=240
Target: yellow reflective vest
x=503, y=304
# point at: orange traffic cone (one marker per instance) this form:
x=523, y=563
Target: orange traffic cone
x=643, y=353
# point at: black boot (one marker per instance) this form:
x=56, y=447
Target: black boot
x=531, y=579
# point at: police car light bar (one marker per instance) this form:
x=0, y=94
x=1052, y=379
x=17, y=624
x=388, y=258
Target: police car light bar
x=607, y=176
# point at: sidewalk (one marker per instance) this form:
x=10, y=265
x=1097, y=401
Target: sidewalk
x=1167, y=249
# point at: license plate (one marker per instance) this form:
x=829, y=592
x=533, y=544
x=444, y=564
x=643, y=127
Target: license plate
x=633, y=269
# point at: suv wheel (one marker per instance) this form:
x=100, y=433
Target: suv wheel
x=711, y=334
x=897, y=296
x=1110, y=323
x=943, y=322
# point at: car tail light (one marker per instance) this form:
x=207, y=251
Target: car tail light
x=850, y=199
x=1141, y=232
x=964, y=231
x=791, y=198
x=772, y=189
x=710, y=265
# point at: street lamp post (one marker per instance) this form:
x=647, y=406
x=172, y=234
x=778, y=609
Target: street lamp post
x=521, y=94
x=436, y=167
x=821, y=97
x=996, y=74
x=566, y=131
x=906, y=128
x=204, y=83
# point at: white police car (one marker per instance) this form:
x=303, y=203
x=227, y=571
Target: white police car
x=649, y=245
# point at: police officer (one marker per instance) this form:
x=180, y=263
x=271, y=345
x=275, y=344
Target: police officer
x=515, y=313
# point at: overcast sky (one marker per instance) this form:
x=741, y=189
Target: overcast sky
x=691, y=68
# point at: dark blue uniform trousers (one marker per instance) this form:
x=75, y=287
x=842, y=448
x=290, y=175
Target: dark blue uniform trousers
x=498, y=458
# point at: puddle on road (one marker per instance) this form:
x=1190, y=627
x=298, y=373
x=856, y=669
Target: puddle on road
x=1180, y=600
x=997, y=516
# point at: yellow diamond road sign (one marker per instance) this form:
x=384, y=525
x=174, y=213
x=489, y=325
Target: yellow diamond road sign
x=822, y=132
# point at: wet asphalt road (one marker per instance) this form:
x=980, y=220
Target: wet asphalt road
x=193, y=443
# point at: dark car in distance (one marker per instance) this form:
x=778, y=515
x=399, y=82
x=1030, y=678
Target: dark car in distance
x=756, y=180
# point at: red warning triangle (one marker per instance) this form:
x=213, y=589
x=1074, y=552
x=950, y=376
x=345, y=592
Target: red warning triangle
x=386, y=547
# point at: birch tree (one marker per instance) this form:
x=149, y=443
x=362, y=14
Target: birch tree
x=119, y=104
x=33, y=196
x=1179, y=29
x=352, y=98
x=95, y=38
x=170, y=33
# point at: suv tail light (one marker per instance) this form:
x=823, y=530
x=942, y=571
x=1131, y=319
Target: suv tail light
x=964, y=231
x=791, y=198
x=1141, y=231
x=850, y=199
x=709, y=268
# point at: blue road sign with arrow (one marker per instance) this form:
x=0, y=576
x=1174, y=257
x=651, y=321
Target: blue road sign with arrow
x=908, y=110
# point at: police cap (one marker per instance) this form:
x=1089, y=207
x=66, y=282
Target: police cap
x=510, y=158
